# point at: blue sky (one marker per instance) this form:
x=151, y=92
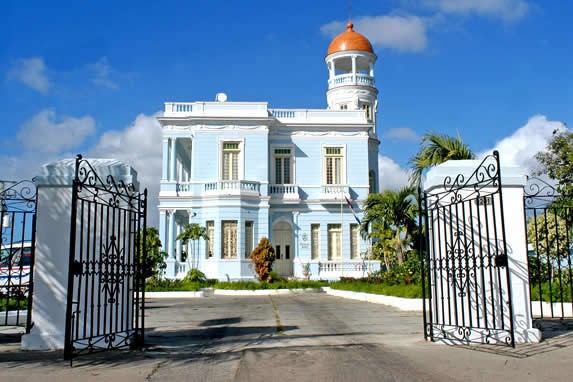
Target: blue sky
x=87, y=76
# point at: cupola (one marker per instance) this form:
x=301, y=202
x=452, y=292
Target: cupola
x=351, y=83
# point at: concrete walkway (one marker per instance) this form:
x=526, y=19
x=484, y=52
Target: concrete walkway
x=303, y=337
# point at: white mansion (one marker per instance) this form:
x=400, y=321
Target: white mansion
x=297, y=176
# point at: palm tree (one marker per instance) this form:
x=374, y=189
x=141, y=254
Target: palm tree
x=192, y=232
x=395, y=211
x=436, y=149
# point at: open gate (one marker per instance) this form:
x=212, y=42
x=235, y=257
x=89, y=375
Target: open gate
x=18, y=219
x=464, y=259
x=549, y=224
x=106, y=300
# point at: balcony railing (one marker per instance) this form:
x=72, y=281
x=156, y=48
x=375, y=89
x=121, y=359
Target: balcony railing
x=351, y=79
x=232, y=187
x=284, y=192
x=334, y=192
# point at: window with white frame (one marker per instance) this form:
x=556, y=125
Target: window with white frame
x=211, y=237
x=334, y=242
x=283, y=165
x=333, y=165
x=229, y=239
x=315, y=241
x=248, y=238
x=354, y=241
x=230, y=160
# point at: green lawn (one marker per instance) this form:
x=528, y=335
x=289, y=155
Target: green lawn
x=400, y=290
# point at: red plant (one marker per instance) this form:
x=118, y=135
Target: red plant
x=263, y=257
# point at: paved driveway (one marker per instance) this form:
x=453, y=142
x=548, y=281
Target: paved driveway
x=309, y=337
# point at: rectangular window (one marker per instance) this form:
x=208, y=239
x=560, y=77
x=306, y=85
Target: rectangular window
x=334, y=242
x=229, y=239
x=248, y=238
x=211, y=234
x=315, y=241
x=231, y=156
x=333, y=162
x=354, y=241
x=283, y=165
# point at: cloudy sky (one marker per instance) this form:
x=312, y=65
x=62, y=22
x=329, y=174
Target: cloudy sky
x=88, y=77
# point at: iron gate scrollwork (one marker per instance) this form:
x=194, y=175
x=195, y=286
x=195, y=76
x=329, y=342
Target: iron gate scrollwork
x=465, y=271
x=549, y=223
x=18, y=219
x=106, y=284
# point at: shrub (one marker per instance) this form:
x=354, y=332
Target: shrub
x=195, y=275
x=263, y=257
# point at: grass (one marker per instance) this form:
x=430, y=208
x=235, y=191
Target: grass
x=555, y=294
x=13, y=304
x=399, y=290
x=155, y=285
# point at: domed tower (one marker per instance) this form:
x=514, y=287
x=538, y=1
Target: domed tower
x=350, y=60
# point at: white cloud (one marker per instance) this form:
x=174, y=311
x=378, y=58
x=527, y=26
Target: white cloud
x=402, y=133
x=520, y=147
x=44, y=133
x=102, y=70
x=403, y=33
x=390, y=175
x=32, y=72
x=138, y=145
x=504, y=9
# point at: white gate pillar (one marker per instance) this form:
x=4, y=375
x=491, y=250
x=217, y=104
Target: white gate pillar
x=513, y=181
x=53, y=218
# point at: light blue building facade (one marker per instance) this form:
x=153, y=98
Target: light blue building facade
x=296, y=176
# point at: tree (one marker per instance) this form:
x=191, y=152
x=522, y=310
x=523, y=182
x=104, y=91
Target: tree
x=193, y=232
x=263, y=257
x=392, y=217
x=436, y=149
x=557, y=161
x=548, y=236
x=154, y=261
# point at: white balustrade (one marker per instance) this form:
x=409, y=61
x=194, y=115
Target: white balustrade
x=238, y=186
x=351, y=79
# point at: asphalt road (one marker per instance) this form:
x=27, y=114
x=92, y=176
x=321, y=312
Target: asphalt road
x=307, y=337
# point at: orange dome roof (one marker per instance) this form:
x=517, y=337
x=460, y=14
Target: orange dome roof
x=349, y=40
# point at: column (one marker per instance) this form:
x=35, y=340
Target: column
x=354, y=70
x=191, y=256
x=165, y=164
x=173, y=160
x=171, y=238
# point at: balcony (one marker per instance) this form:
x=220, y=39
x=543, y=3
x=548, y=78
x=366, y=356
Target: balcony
x=350, y=79
x=215, y=188
x=284, y=193
x=334, y=193
x=232, y=187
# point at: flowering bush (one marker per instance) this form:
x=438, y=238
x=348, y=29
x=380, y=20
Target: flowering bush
x=263, y=257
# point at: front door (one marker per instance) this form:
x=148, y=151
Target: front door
x=284, y=251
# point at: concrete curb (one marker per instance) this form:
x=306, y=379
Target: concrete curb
x=406, y=304
x=264, y=292
x=181, y=294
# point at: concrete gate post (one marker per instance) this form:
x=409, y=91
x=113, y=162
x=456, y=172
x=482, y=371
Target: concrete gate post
x=54, y=190
x=513, y=181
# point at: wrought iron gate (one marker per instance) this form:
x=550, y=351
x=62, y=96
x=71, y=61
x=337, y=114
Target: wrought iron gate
x=549, y=223
x=106, y=301
x=18, y=219
x=465, y=273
